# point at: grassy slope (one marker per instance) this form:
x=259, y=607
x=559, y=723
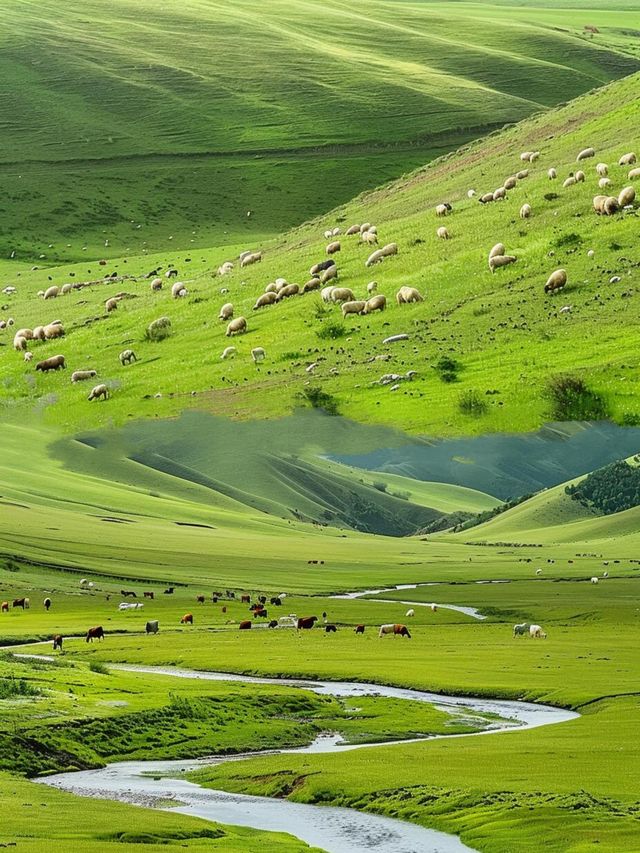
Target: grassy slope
x=508, y=337
x=149, y=113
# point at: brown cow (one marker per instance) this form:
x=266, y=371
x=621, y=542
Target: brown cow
x=245, y=599
x=187, y=619
x=359, y=629
x=396, y=630
x=200, y=599
x=96, y=633
x=57, y=642
x=20, y=602
x=149, y=594
x=261, y=612
x=244, y=626
x=306, y=622
x=125, y=593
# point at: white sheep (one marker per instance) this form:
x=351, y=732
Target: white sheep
x=627, y=159
x=28, y=356
x=406, y=295
x=81, y=375
x=471, y=193
x=536, y=632
x=443, y=233
x=325, y=293
x=258, y=354
x=443, y=209
x=372, y=287
x=627, y=196
x=498, y=249
x=333, y=247
x=353, y=307
x=585, y=154
x=594, y=580
x=552, y=174
x=510, y=182
x=525, y=211
x=498, y=261
x=226, y=312
x=603, y=183
x=178, y=290
x=228, y=352
x=236, y=327
x=410, y=613
x=602, y=170
x=369, y=237
x=264, y=300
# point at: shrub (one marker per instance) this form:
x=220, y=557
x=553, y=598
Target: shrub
x=331, y=331
x=319, y=399
x=568, y=240
x=11, y=688
x=447, y=369
x=97, y=666
x=379, y=485
x=471, y=403
x=572, y=400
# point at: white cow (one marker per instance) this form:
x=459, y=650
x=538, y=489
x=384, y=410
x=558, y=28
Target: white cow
x=536, y=632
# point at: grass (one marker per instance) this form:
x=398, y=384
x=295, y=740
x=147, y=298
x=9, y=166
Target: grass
x=160, y=140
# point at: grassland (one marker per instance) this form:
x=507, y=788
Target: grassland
x=146, y=121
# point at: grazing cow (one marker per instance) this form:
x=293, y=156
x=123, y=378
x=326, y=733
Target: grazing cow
x=306, y=622
x=411, y=612
x=396, y=630
x=5, y=606
x=19, y=602
x=187, y=619
x=273, y=623
x=148, y=594
x=536, y=632
x=200, y=599
x=359, y=629
x=57, y=642
x=244, y=626
x=152, y=627
x=47, y=603
x=169, y=590
x=128, y=592
x=275, y=601
x=245, y=599
x=224, y=609
x=330, y=629
x=262, y=599
x=521, y=630
x=96, y=633
x=260, y=612
x=434, y=608
x=230, y=593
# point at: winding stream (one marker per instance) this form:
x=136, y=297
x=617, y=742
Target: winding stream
x=335, y=830
x=469, y=611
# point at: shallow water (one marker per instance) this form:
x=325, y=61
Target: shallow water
x=335, y=830
x=469, y=611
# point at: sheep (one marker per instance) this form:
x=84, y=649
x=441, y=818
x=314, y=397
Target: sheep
x=633, y=174
x=510, y=182
x=353, y=229
x=627, y=196
x=336, y=231
x=226, y=312
x=51, y=292
x=53, y=330
x=111, y=304
x=280, y=283
x=99, y=392
x=536, y=632
x=325, y=293
x=321, y=266
x=585, y=154
x=627, y=159
x=264, y=300
x=156, y=284
x=611, y=205
x=333, y=247
x=443, y=209
x=602, y=170
x=25, y=333
x=525, y=211
x=341, y=294
x=287, y=291
x=9, y=289
x=251, y=258
x=389, y=249
x=556, y=281
x=171, y=273
x=407, y=295
x=258, y=354
x=552, y=174
x=569, y=182
x=498, y=249
x=38, y=333
x=486, y=198
x=329, y=274
x=498, y=261
x=580, y=176
x=603, y=183
x=154, y=327
x=598, y=203
x=365, y=227
x=525, y=156
x=410, y=613
x=369, y=237
x=81, y=375
x=225, y=268
x=374, y=258
x=178, y=290
x=372, y=287
x=443, y=233
x=372, y=229
x=471, y=193
x=500, y=194
x=522, y=174
x=376, y=303
x=228, y=352
x=55, y=362
x=594, y=580
x=236, y=327
x=312, y=284
x=28, y=356
x=355, y=307
x=19, y=343
x=66, y=288
x=127, y=356
x=328, y=234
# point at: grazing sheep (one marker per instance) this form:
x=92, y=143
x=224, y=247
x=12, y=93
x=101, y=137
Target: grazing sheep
x=251, y=258
x=594, y=580
x=389, y=249
x=28, y=356
x=325, y=293
x=127, y=356
x=225, y=268
x=570, y=181
x=236, y=327
x=443, y=233
x=556, y=281
x=552, y=174
x=443, y=209
x=369, y=237
x=19, y=343
x=627, y=159
x=374, y=258
x=287, y=291
x=498, y=249
x=226, y=312
x=328, y=234
x=372, y=229
x=38, y=333
x=264, y=300
x=372, y=287
x=98, y=392
x=335, y=231
x=341, y=294
x=329, y=274
x=178, y=290
x=312, y=284
x=376, y=303
x=627, y=196
x=633, y=174
x=500, y=194
x=353, y=229
x=365, y=227
x=407, y=295
x=585, y=154
x=471, y=193
x=603, y=183
x=522, y=174
x=156, y=284
x=611, y=205
x=320, y=267
x=25, y=333
x=333, y=247
x=51, y=292
x=81, y=375
x=171, y=273
x=486, y=198
x=602, y=170
x=228, y=352
x=258, y=354
x=156, y=326
x=280, y=283
x=498, y=261
x=356, y=307
x=580, y=176
x=111, y=304
x=525, y=211
x=66, y=288
x=272, y=287
x=410, y=613
x=54, y=330
x=525, y=156
x=55, y=362
x=510, y=182
x=536, y=632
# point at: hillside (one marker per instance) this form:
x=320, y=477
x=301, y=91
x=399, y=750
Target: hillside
x=507, y=337
x=129, y=124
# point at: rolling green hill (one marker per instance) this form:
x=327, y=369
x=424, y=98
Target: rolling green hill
x=138, y=122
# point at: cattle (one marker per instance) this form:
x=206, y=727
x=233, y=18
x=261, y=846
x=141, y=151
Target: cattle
x=245, y=625
x=521, y=630
x=57, y=642
x=275, y=601
x=152, y=627
x=260, y=612
x=396, y=630
x=434, y=608
x=47, y=603
x=5, y=607
x=21, y=602
x=273, y=623
x=187, y=619
x=245, y=599
x=262, y=599
x=536, y=632
x=125, y=593
x=330, y=629
x=230, y=593
x=306, y=622
x=169, y=590
x=224, y=609
x=149, y=594
x=359, y=629
x=96, y=633
x=200, y=599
